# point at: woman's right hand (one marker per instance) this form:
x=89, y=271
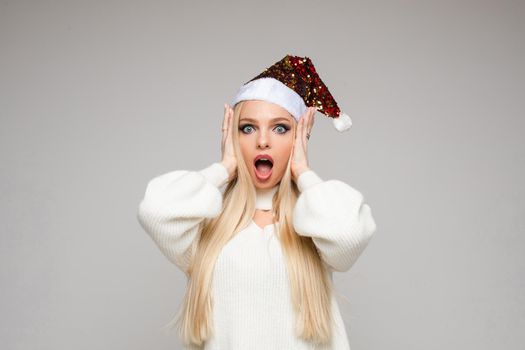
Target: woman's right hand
x=228, y=156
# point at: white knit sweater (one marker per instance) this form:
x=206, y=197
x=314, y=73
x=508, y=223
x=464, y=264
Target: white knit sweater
x=251, y=292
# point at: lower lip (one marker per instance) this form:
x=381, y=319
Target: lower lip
x=260, y=176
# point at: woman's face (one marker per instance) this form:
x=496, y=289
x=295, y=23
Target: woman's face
x=265, y=128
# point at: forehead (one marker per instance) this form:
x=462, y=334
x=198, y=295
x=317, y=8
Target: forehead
x=263, y=111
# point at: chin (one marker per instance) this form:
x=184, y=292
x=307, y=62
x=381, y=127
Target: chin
x=271, y=182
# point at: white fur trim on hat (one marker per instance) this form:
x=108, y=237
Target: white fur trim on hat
x=272, y=90
x=342, y=123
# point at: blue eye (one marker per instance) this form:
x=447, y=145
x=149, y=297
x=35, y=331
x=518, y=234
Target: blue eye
x=283, y=126
x=242, y=128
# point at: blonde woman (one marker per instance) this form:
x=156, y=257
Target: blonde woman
x=258, y=233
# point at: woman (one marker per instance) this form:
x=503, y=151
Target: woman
x=259, y=233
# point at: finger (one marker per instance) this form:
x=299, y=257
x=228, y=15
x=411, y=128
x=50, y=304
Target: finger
x=297, y=137
x=297, y=140
x=227, y=132
x=300, y=134
x=311, y=124
x=311, y=121
x=225, y=122
x=305, y=123
x=297, y=127
x=230, y=122
x=301, y=128
x=298, y=130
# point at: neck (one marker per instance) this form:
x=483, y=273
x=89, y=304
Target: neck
x=263, y=199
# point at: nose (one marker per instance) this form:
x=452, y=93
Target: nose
x=262, y=140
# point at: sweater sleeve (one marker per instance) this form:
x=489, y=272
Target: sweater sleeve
x=174, y=205
x=335, y=216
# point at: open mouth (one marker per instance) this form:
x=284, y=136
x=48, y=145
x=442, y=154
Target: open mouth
x=263, y=168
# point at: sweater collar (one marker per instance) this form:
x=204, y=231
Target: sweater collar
x=263, y=199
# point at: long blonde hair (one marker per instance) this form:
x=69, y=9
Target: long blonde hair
x=311, y=286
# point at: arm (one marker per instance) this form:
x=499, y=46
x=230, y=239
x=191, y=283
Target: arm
x=335, y=216
x=174, y=205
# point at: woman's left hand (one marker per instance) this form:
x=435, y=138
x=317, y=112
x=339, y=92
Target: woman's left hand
x=299, y=148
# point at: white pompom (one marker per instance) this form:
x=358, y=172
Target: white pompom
x=342, y=123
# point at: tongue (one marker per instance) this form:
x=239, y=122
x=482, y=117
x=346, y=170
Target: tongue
x=263, y=167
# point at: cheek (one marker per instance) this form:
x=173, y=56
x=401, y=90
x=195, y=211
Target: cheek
x=283, y=150
x=246, y=150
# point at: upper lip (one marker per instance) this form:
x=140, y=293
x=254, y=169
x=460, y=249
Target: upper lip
x=263, y=155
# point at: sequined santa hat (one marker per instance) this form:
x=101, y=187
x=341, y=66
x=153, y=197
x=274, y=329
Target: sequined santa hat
x=294, y=84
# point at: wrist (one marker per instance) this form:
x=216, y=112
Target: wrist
x=300, y=171
x=308, y=179
x=229, y=167
x=215, y=174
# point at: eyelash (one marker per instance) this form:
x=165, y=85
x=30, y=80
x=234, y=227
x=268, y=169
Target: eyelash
x=286, y=128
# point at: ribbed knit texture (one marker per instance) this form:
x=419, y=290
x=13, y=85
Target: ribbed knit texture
x=251, y=291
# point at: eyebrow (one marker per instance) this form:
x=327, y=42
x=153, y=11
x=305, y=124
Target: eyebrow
x=273, y=120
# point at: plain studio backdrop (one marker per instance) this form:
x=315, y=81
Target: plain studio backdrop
x=99, y=97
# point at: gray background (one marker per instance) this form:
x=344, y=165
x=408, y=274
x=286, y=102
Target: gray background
x=98, y=97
